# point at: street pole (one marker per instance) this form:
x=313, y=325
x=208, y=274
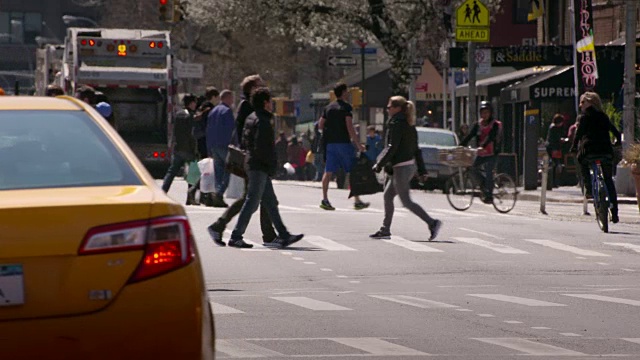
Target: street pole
x=364, y=93
x=412, y=83
x=630, y=75
x=473, y=112
x=444, y=99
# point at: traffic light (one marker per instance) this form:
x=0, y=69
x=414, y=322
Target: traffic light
x=166, y=10
x=356, y=97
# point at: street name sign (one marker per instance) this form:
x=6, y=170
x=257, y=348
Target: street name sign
x=415, y=70
x=189, y=70
x=472, y=22
x=342, y=61
x=367, y=51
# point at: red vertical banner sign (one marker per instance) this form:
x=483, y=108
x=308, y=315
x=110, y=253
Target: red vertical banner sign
x=586, y=64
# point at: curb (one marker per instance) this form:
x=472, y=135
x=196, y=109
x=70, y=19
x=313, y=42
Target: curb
x=532, y=197
x=521, y=196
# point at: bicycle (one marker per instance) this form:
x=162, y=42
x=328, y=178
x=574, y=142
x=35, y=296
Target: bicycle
x=467, y=182
x=599, y=190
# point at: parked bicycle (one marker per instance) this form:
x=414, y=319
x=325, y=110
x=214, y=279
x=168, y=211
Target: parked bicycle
x=466, y=183
x=601, y=203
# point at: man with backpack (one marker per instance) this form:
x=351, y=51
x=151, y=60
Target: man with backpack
x=488, y=135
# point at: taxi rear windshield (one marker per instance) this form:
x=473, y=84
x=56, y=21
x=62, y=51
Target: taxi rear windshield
x=54, y=149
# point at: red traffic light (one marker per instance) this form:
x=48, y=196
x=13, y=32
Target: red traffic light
x=163, y=2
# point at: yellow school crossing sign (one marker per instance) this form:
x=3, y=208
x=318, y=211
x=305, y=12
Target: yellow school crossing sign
x=472, y=22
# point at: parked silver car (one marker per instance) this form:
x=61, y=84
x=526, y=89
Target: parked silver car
x=430, y=140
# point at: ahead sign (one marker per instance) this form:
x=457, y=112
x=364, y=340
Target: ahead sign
x=472, y=34
x=472, y=22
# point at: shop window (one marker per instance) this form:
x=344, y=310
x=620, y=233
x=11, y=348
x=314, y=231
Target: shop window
x=19, y=27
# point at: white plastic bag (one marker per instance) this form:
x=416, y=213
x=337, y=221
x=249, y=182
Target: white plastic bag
x=235, y=188
x=207, y=179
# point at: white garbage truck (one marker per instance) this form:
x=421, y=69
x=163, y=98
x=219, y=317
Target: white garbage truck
x=133, y=69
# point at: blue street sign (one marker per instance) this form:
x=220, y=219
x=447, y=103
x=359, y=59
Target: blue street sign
x=367, y=51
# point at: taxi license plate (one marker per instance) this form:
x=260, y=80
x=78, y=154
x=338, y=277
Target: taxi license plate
x=11, y=285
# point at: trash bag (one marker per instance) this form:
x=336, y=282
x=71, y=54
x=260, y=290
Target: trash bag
x=363, y=179
x=235, y=190
x=207, y=179
x=193, y=174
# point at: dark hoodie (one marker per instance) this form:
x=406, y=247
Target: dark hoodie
x=401, y=144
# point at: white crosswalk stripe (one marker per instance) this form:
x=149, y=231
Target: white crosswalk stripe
x=503, y=249
x=219, y=309
x=378, y=347
x=634, y=247
x=516, y=300
x=605, y=299
x=447, y=212
x=414, y=301
x=411, y=245
x=292, y=208
x=244, y=349
x=567, y=248
x=310, y=304
x=528, y=347
x=327, y=244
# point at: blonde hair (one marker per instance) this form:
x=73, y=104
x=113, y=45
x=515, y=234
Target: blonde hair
x=407, y=107
x=593, y=98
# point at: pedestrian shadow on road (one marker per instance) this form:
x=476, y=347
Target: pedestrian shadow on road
x=300, y=249
x=435, y=241
x=623, y=233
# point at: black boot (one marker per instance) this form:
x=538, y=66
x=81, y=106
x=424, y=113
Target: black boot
x=217, y=201
x=614, y=216
x=191, y=197
x=206, y=199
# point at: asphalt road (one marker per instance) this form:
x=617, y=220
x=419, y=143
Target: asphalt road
x=491, y=287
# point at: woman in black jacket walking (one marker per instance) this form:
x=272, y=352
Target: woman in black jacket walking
x=399, y=159
x=593, y=140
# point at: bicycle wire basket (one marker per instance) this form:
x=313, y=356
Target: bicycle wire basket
x=458, y=157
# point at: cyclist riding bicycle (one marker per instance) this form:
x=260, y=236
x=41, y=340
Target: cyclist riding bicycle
x=593, y=140
x=487, y=132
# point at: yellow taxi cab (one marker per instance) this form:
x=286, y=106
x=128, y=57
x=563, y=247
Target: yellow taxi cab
x=96, y=262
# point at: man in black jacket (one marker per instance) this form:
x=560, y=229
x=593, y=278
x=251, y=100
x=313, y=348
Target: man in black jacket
x=184, y=147
x=216, y=229
x=260, y=162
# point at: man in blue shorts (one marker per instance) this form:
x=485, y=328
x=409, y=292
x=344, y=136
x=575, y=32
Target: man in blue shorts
x=341, y=142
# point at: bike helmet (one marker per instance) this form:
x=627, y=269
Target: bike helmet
x=485, y=105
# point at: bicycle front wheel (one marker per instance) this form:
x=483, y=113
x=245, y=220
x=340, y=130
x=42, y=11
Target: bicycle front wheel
x=459, y=189
x=505, y=193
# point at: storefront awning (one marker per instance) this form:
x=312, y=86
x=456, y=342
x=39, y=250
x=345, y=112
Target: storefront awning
x=482, y=86
x=554, y=84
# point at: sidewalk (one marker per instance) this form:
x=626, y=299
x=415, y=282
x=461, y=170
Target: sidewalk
x=563, y=194
x=566, y=194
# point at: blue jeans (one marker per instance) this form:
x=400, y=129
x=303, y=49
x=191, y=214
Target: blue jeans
x=259, y=190
x=177, y=161
x=219, y=155
x=486, y=164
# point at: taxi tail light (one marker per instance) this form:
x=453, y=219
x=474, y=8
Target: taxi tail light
x=169, y=247
x=167, y=243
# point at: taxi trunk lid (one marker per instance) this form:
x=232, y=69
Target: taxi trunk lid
x=41, y=273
